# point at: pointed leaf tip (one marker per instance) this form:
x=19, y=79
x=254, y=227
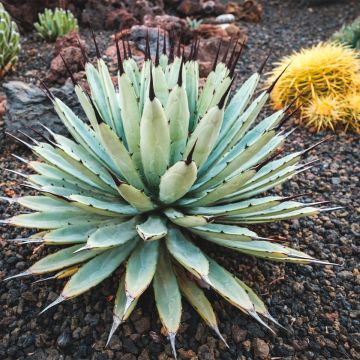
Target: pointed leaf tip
x=180, y=78
x=221, y=103
x=271, y=87
x=217, y=332
x=116, y=323
x=151, y=87
x=157, y=54
x=262, y=65
x=217, y=55
x=24, y=273
x=98, y=55
x=119, y=60
x=172, y=337
x=189, y=158
x=56, y=302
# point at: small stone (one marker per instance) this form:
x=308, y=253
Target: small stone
x=238, y=334
x=142, y=325
x=64, y=339
x=261, y=348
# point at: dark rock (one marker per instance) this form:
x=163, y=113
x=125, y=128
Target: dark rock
x=142, y=325
x=27, y=106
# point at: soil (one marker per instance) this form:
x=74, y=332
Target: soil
x=318, y=305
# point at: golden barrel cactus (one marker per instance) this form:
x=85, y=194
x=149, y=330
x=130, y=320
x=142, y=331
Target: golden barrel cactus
x=323, y=70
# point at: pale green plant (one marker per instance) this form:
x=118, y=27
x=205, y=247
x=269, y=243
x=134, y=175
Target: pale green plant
x=9, y=42
x=53, y=24
x=161, y=169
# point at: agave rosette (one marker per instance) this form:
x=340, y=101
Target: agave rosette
x=161, y=168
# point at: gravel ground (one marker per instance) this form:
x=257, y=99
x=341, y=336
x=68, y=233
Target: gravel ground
x=318, y=305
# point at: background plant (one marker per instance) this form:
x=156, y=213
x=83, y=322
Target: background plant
x=315, y=77
x=9, y=42
x=153, y=176
x=53, y=24
x=193, y=23
x=349, y=34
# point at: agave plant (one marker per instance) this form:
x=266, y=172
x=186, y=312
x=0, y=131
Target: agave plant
x=9, y=42
x=160, y=169
x=53, y=24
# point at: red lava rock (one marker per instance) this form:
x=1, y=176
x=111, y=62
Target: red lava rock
x=224, y=31
x=120, y=19
x=140, y=8
x=166, y=22
x=249, y=10
x=70, y=39
x=205, y=68
x=261, y=348
x=194, y=7
x=74, y=60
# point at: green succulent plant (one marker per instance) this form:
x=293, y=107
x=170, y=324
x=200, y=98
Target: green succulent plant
x=349, y=34
x=193, y=23
x=9, y=42
x=161, y=168
x=53, y=24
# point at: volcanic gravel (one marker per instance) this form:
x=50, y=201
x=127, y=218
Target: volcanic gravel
x=318, y=305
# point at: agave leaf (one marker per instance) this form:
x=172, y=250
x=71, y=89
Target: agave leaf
x=98, y=93
x=112, y=235
x=144, y=83
x=226, y=285
x=83, y=134
x=96, y=270
x=196, y=297
x=111, y=98
x=167, y=296
x=45, y=203
x=268, y=250
x=236, y=131
x=205, y=135
x=110, y=206
x=222, y=170
x=62, y=259
x=154, y=141
x=259, y=305
x=229, y=186
x=178, y=218
x=172, y=72
x=187, y=254
x=295, y=214
x=121, y=313
x=140, y=269
x=73, y=234
x=160, y=85
x=120, y=156
x=238, y=103
x=178, y=113
x=177, y=181
x=87, y=107
x=132, y=70
x=78, y=153
x=64, y=162
x=136, y=198
x=131, y=115
x=226, y=232
x=192, y=86
x=154, y=228
x=236, y=208
x=53, y=220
